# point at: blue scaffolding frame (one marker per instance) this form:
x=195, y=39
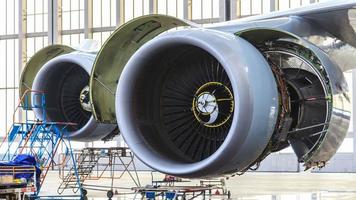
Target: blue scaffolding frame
x=39, y=138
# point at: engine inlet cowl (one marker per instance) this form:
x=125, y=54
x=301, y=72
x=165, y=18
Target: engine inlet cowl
x=65, y=81
x=197, y=103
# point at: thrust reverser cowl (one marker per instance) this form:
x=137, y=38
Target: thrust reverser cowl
x=197, y=103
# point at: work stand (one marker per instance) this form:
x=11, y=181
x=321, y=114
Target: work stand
x=174, y=188
x=97, y=164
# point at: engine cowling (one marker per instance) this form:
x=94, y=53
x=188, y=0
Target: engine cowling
x=65, y=80
x=197, y=102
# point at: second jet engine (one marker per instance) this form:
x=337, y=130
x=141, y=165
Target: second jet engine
x=63, y=74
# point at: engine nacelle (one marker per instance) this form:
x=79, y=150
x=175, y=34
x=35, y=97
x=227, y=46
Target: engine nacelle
x=63, y=75
x=201, y=102
x=197, y=102
x=65, y=80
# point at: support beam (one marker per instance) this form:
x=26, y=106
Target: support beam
x=50, y=22
x=117, y=13
x=22, y=34
x=120, y=12
x=187, y=9
x=224, y=10
x=88, y=24
x=57, y=21
x=274, y=5
x=235, y=9
x=153, y=7
x=22, y=50
x=53, y=21
x=354, y=119
x=88, y=19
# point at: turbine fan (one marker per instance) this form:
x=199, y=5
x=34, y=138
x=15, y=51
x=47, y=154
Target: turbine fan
x=197, y=105
x=65, y=81
x=75, y=80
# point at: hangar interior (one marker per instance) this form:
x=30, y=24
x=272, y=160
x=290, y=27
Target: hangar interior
x=29, y=25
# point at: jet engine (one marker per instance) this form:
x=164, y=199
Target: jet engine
x=63, y=75
x=200, y=102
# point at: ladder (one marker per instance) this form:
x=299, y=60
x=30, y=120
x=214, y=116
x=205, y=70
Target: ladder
x=38, y=138
x=86, y=162
x=96, y=163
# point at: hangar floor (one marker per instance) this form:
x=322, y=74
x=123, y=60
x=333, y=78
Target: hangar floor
x=252, y=186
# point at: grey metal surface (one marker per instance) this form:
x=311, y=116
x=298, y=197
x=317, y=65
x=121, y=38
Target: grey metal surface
x=309, y=11
x=44, y=79
x=253, y=120
x=339, y=50
x=330, y=26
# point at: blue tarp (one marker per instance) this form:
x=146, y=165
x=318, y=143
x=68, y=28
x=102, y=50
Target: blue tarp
x=23, y=160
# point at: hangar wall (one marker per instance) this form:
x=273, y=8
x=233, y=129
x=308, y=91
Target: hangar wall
x=29, y=25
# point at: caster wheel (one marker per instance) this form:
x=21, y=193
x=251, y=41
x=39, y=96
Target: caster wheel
x=84, y=192
x=110, y=194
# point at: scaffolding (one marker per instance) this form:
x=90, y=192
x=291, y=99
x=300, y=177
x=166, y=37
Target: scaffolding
x=37, y=138
x=174, y=188
x=94, y=164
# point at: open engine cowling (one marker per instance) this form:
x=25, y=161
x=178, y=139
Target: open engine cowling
x=65, y=80
x=197, y=103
